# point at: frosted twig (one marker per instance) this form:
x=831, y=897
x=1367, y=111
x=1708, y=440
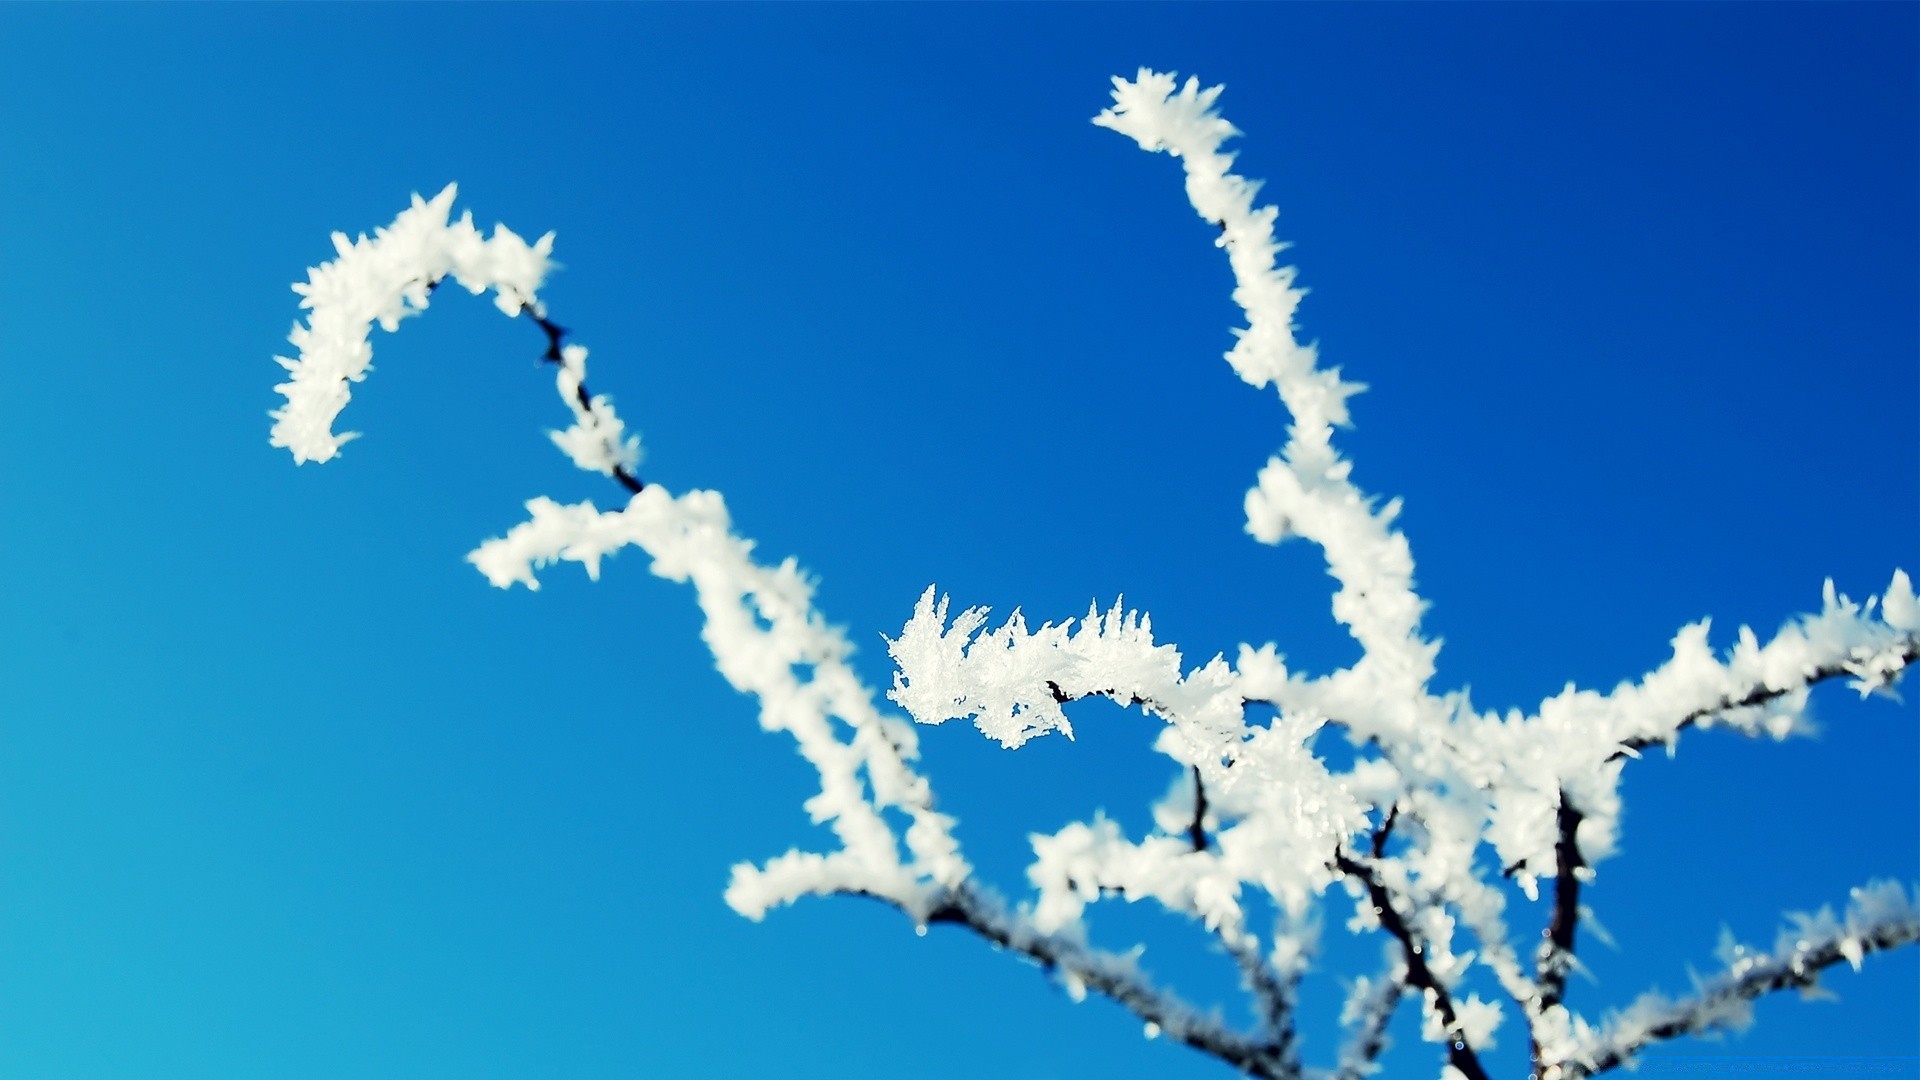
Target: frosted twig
x=1880, y=916
x=1419, y=976
x=1368, y=1013
x=1116, y=977
x=1898, y=655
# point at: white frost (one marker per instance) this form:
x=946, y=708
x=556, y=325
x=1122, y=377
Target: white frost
x=1252, y=811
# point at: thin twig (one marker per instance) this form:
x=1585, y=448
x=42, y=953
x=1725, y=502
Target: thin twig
x=964, y=906
x=1706, y=1012
x=1460, y=1053
x=556, y=337
x=1758, y=695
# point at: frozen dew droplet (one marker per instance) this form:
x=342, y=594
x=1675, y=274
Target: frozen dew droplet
x=920, y=930
x=1152, y=1030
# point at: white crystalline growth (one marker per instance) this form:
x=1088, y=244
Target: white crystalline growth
x=769, y=641
x=1012, y=680
x=1254, y=809
x=1879, y=915
x=384, y=279
x=597, y=441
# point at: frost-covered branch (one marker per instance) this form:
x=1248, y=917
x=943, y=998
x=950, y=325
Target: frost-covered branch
x=1879, y=916
x=1556, y=952
x=1116, y=977
x=765, y=635
x=1870, y=669
x=1420, y=977
x=1253, y=813
x=389, y=277
x=1369, y=1009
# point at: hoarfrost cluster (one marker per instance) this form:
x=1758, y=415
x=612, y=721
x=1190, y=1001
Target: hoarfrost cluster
x=1254, y=812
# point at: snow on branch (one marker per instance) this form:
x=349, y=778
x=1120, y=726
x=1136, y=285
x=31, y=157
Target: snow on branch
x=1421, y=831
x=1369, y=1009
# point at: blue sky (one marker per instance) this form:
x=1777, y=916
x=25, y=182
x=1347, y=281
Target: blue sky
x=286, y=790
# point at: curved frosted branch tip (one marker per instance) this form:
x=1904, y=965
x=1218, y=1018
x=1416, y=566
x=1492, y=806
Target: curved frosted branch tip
x=382, y=280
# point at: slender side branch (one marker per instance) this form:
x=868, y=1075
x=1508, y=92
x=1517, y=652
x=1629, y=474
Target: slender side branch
x=556, y=338
x=1419, y=976
x=1760, y=694
x=1726, y=998
x=1274, y=995
x=1113, y=977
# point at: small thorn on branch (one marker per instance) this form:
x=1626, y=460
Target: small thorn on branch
x=556, y=334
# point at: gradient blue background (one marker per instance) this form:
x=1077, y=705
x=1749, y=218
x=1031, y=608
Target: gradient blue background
x=287, y=791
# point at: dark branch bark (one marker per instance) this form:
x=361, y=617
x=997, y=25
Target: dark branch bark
x=1369, y=1041
x=1419, y=976
x=1556, y=952
x=556, y=337
x=1385, y=830
x=1197, y=832
x=1555, y=957
x=1261, y=1058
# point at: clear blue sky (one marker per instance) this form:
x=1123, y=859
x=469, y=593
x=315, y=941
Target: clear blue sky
x=286, y=790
